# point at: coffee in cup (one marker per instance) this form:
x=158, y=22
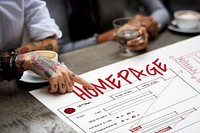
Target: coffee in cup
x=187, y=19
x=48, y=54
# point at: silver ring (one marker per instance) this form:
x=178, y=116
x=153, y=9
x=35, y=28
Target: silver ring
x=140, y=40
x=73, y=74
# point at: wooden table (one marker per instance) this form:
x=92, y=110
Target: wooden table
x=20, y=112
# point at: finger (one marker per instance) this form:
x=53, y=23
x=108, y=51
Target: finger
x=53, y=86
x=140, y=46
x=69, y=83
x=80, y=80
x=136, y=41
x=65, y=80
x=139, y=40
x=62, y=85
x=114, y=34
x=73, y=83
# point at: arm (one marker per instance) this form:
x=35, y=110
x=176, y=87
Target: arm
x=93, y=40
x=38, y=21
x=157, y=11
x=49, y=43
x=61, y=78
x=151, y=24
x=42, y=29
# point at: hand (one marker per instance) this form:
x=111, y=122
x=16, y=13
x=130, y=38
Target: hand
x=149, y=23
x=61, y=79
x=137, y=36
x=147, y=30
x=140, y=43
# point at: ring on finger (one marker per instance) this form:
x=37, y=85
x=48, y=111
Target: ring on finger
x=73, y=74
x=140, y=40
x=55, y=86
x=63, y=85
x=70, y=84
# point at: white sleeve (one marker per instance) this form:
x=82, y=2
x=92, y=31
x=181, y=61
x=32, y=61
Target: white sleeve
x=38, y=21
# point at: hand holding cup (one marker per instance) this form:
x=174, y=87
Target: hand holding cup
x=130, y=34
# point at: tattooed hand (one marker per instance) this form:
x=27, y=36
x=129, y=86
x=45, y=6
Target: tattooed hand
x=61, y=79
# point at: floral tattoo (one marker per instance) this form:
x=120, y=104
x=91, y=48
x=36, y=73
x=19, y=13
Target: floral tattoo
x=44, y=64
x=23, y=50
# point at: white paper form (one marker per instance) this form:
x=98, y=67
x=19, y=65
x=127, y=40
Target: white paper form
x=155, y=92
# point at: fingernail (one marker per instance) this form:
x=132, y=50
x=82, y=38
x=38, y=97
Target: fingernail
x=129, y=43
x=92, y=87
x=70, y=89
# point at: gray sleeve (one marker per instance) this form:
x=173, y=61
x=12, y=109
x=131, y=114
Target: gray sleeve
x=157, y=10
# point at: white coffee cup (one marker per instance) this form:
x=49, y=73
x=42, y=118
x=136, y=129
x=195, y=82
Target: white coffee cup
x=47, y=53
x=187, y=19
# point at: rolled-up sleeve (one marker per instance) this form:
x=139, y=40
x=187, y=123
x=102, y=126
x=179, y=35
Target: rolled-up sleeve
x=38, y=21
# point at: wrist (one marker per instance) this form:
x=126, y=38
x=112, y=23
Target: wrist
x=101, y=38
x=8, y=68
x=95, y=38
x=23, y=62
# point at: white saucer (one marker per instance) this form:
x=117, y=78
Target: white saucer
x=31, y=79
x=173, y=27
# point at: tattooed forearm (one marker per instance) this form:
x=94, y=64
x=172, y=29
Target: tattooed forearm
x=23, y=50
x=49, y=47
x=33, y=44
x=44, y=64
x=49, y=43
